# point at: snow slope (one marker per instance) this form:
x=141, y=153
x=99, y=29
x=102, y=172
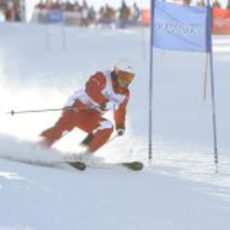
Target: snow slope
x=41, y=65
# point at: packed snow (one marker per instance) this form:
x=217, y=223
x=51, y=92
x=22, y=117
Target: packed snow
x=41, y=65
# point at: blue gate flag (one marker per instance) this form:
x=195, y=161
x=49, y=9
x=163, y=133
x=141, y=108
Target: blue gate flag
x=180, y=27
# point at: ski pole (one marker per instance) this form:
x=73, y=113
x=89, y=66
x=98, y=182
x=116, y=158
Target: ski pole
x=13, y=112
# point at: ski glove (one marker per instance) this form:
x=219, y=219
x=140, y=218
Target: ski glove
x=106, y=106
x=120, y=132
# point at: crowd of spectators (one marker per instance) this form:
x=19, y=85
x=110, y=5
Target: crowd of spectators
x=12, y=10
x=82, y=14
x=215, y=3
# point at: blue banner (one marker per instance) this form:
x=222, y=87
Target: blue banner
x=180, y=27
x=55, y=16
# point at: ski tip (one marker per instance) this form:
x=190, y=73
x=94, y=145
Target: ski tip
x=135, y=165
x=78, y=165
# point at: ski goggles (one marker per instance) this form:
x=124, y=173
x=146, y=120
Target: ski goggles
x=125, y=77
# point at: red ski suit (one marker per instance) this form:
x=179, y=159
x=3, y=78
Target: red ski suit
x=84, y=110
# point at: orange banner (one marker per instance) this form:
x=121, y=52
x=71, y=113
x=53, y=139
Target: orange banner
x=221, y=21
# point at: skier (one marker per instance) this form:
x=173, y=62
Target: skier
x=104, y=91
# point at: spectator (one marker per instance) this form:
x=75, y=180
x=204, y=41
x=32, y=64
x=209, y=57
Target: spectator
x=135, y=13
x=201, y=3
x=187, y=2
x=84, y=15
x=124, y=14
x=228, y=5
x=91, y=15
x=40, y=13
x=216, y=4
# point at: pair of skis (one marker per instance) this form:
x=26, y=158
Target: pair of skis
x=77, y=164
x=133, y=165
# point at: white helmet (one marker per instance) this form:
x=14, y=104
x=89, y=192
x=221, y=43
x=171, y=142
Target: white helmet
x=124, y=66
x=124, y=73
